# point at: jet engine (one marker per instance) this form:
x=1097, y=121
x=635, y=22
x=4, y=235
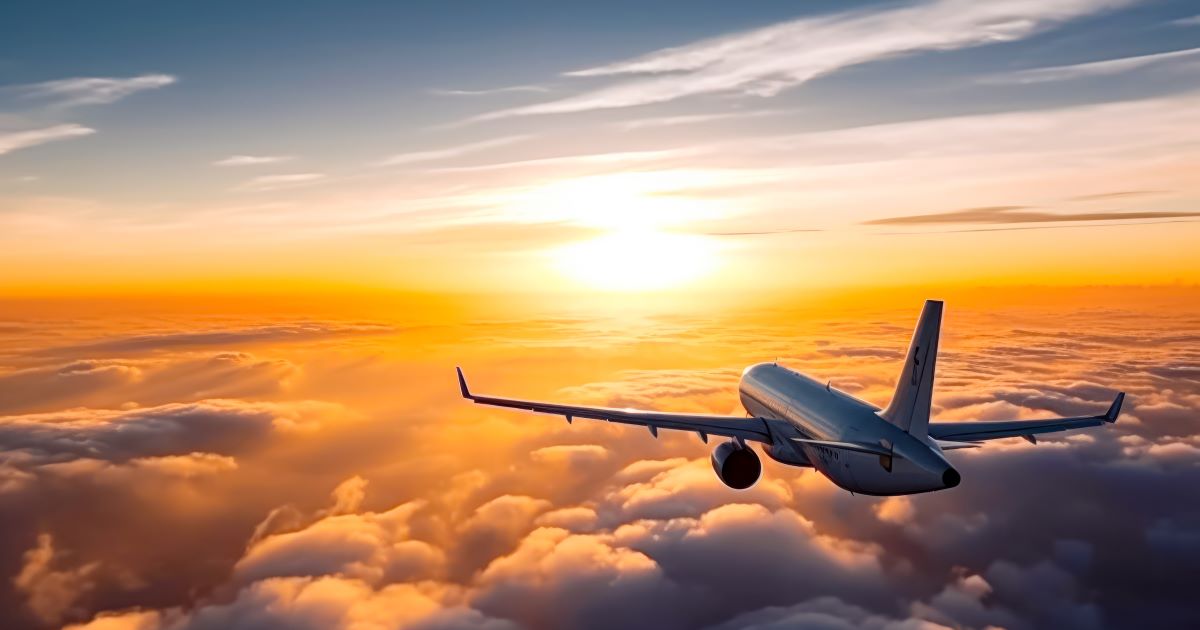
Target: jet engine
x=736, y=465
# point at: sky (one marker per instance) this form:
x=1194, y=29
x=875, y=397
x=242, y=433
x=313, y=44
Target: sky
x=406, y=146
x=244, y=245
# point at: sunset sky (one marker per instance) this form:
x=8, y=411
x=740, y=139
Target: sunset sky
x=608, y=146
x=243, y=246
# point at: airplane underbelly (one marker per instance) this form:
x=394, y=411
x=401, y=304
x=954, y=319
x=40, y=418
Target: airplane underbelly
x=905, y=477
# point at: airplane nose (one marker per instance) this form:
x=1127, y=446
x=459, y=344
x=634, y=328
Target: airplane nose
x=951, y=478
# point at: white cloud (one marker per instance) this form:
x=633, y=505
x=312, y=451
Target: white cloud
x=13, y=140
x=251, y=160
x=95, y=90
x=1187, y=21
x=264, y=183
x=767, y=60
x=1091, y=69
x=499, y=90
x=447, y=153
x=691, y=119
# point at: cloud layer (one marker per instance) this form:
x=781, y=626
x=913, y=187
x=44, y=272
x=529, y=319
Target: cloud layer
x=425, y=513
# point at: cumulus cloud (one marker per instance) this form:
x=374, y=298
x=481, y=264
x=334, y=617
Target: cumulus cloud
x=896, y=510
x=179, y=441
x=328, y=603
x=52, y=592
x=641, y=532
x=372, y=547
x=765, y=61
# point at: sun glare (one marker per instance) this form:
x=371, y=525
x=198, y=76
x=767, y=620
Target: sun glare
x=642, y=260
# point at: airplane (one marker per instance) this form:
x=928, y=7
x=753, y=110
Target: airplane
x=802, y=422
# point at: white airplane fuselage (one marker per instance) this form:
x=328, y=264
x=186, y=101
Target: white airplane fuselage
x=816, y=411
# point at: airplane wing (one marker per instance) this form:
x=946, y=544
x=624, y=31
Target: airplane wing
x=704, y=425
x=975, y=431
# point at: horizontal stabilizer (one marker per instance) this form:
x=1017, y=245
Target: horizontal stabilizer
x=947, y=445
x=860, y=447
x=992, y=430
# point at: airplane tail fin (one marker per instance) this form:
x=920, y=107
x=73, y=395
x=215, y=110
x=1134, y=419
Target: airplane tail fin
x=910, y=405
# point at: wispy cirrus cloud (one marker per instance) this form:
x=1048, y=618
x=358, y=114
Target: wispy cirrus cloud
x=252, y=160
x=94, y=90
x=536, y=89
x=768, y=60
x=1091, y=69
x=692, y=119
x=14, y=140
x=413, y=157
x=1019, y=214
x=1116, y=194
x=264, y=183
x=1187, y=21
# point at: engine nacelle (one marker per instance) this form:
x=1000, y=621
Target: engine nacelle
x=736, y=466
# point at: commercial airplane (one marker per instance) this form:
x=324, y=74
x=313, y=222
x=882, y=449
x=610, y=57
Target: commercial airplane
x=801, y=422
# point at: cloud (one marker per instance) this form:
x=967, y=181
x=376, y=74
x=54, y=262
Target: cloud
x=1117, y=194
x=13, y=140
x=1017, y=214
x=326, y=603
x=400, y=159
x=274, y=333
x=1187, y=21
x=374, y=547
x=51, y=593
x=767, y=60
x=94, y=90
x=573, y=454
x=825, y=613
x=458, y=532
x=267, y=183
x=252, y=160
x=895, y=510
x=64, y=441
x=692, y=119
x=500, y=90
x=142, y=381
x=1090, y=69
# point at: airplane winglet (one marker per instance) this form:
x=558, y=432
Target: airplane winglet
x=462, y=385
x=1115, y=409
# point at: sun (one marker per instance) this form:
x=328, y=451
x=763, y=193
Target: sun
x=637, y=260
